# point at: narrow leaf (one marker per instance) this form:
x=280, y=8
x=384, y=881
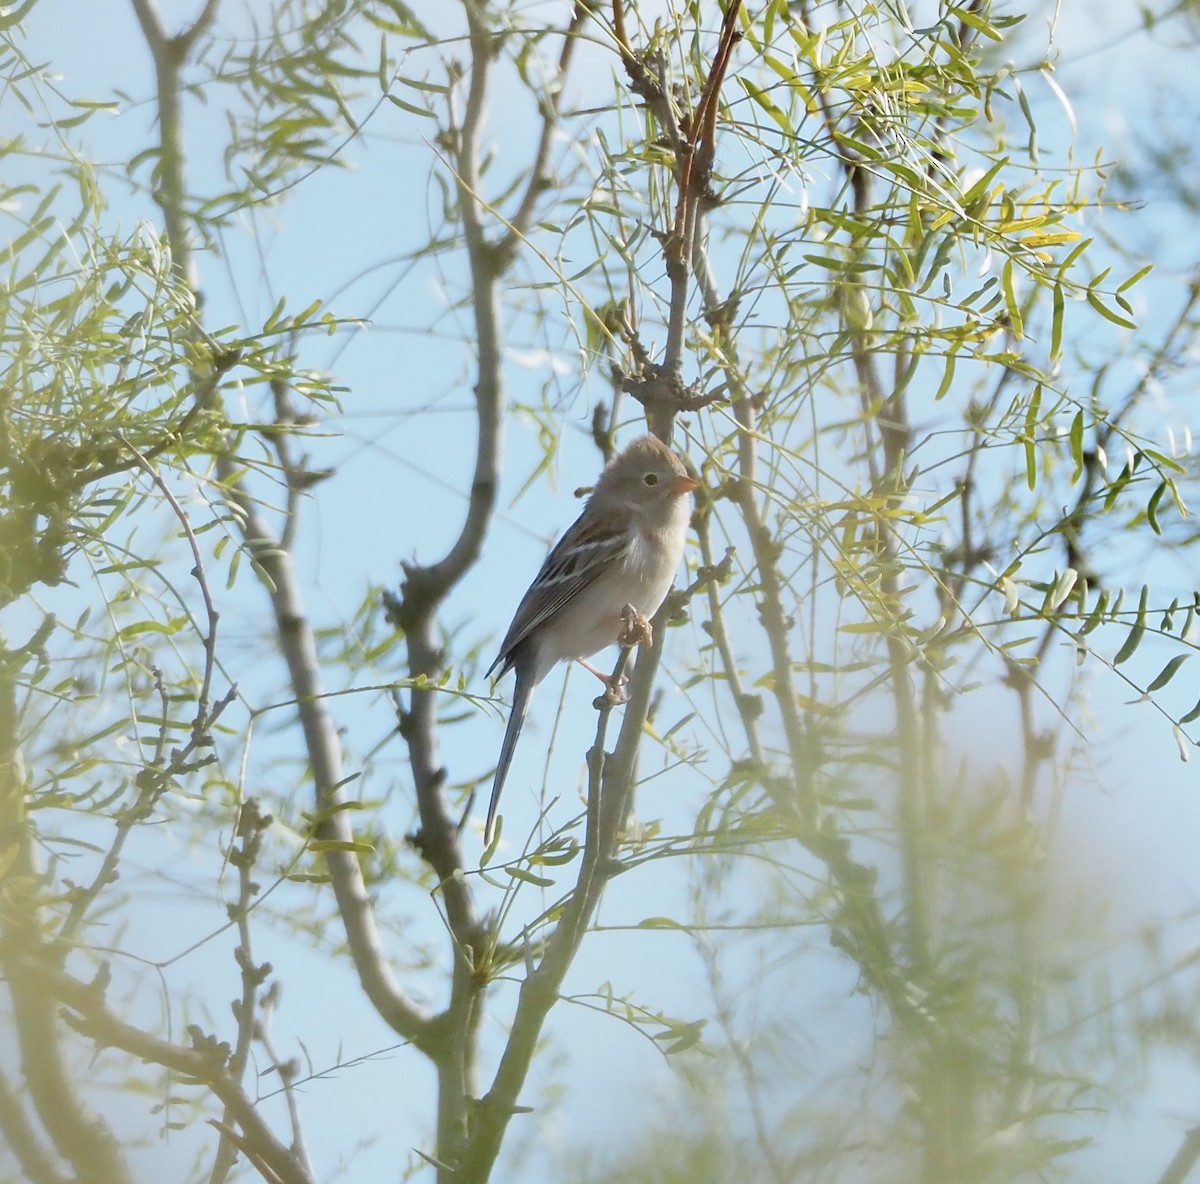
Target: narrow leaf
x=1152, y=507
x=1077, y=444
x=1137, y=632
x=519, y=873
x=1167, y=672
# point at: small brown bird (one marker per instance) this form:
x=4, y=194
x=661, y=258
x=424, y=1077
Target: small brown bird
x=623, y=549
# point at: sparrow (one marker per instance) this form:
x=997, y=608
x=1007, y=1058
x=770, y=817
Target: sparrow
x=624, y=548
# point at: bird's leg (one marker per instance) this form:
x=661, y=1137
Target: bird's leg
x=593, y=670
x=635, y=630
x=614, y=690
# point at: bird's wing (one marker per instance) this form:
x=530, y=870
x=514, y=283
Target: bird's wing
x=590, y=546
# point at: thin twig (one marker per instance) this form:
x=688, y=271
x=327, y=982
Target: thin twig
x=152, y=782
x=251, y=826
x=540, y=178
x=202, y=723
x=285, y=1069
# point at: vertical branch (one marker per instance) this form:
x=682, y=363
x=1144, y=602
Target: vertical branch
x=859, y=926
x=426, y=586
x=611, y=783
x=416, y=612
x=251, y=826
x=25, y=1143
x=888, y=412
x=294, y=630
x=659, y=386
x=287, y=1071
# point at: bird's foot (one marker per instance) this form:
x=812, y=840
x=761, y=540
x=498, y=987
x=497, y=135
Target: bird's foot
x=614, y=691
x=614, y=688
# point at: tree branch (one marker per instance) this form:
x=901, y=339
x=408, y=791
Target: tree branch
x=36, y=1161
x=204, y=1062
x=540, y=177
x=294, y=630
x=611, y=782
x=251, y=826
x=659, y=386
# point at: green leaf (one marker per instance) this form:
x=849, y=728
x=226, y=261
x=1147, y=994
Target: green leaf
x=1114, y=490
x=688, y=1036
x=974, y=20
x=1107, y=313
x=1060, y=590
x=1011, y=304
x=764, y=101
x=1076, y=439
x=519, y=873
x=555, y=858
x=1152, y=507
x=15, y=15
x=947, y=377
x=1133, y=279
x=1161, y=459
x=1184, y=743
x=1167, y=673
x=1096, y=616
x=411, y=108
x=1056, y=322
x=1012, y=597
x=165, y=628
x=1134, y=639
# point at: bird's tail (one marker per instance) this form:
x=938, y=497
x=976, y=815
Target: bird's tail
x=522, y=693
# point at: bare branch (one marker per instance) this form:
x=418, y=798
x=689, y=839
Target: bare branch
x=659, y=386
x=286, y=1070
x=152, y=782
x=203, y=722
x=1183, y=1160
x=540, y=177
x=205, y=1061
x=294, y=631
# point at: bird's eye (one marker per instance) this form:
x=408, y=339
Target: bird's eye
x=650, y=479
